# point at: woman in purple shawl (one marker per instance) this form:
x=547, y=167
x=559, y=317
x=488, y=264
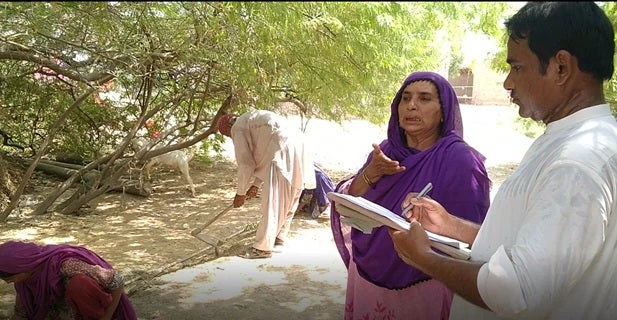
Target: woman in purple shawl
x=425, y=144
x=53, y=281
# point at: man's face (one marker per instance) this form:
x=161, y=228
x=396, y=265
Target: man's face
x=532, y=91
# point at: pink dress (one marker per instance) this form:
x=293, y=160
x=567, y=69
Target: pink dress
x=425, y=300
x=428, y=299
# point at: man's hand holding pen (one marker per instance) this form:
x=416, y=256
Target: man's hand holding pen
x=422, y=193
x=427, y=212
x=423, y=213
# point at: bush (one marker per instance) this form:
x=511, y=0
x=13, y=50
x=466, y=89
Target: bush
x=529, y=127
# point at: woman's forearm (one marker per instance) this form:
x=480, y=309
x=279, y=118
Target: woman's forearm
x=358, y=186
x=116, y=294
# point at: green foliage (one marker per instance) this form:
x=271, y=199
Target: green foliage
x=456, y=63
x=498, y=61
x=610, y=87
x=211, y=149
x=174, y=63
x=529, y=127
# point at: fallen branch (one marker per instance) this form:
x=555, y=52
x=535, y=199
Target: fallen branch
x=131, y=287
x=62, y=164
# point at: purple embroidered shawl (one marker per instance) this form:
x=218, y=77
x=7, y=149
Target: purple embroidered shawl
x=44, y=288
x=460, y=184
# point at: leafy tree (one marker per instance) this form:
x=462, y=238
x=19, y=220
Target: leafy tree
x=498, y=62
x=611, y=86
x=86, y=77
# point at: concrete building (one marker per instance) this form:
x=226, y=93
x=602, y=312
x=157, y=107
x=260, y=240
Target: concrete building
x=480, y=85
x=476, y=82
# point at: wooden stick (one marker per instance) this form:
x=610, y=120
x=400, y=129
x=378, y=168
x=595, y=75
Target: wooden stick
x=200, y=229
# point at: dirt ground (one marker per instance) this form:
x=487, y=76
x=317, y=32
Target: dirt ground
x=148, y=237
x=149, y=240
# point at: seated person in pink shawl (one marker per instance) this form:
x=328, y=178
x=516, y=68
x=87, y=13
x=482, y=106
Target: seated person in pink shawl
x=62, y=282
x=425, y=144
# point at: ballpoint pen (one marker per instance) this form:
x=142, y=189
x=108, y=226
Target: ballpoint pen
x=422, y=193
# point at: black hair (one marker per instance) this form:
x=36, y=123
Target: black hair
x=581, y=28
x=4, y=275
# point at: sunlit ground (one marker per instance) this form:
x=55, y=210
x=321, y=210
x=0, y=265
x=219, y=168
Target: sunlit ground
x=306, y=273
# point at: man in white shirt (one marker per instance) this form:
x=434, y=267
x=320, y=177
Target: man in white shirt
x=548, y=246
x=270, y=153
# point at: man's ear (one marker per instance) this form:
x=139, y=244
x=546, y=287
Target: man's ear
x=564, y=66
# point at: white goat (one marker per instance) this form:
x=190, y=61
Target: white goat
x=176, y=159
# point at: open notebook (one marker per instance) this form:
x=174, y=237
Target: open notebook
x=365, y=215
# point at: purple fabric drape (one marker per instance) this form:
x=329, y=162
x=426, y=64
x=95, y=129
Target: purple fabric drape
x=44, y=288
x=324, y=185
x=460, y=184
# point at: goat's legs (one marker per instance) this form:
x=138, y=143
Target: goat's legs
x=187, y=177
x=146, y=170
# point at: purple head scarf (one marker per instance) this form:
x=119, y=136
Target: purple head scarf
x=44, y=287
x=460, y=184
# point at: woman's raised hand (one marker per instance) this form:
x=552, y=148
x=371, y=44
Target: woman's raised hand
x=381, y=165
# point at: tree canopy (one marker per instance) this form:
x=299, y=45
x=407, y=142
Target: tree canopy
x=498, y=61
x=84, y=78
x=173, y=63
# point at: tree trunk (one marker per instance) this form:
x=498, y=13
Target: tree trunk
x=88, y=180
x=135, y=187
x=60, y=172
x=110, y=174
x=82, y=199
x=80, y=190
x=54, y=128
x=42, y=208
x=106, y=183
x=62, y=164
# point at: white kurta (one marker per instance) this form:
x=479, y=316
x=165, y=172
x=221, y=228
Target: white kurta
x=271, y=153
x=550, y=236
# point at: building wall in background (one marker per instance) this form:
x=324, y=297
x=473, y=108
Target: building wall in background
x=463, y=85
x=488, y=86
x=480, y=86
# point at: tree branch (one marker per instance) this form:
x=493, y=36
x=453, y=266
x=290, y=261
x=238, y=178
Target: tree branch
x=23, y=56
x=55, y=127
x=6, y=141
